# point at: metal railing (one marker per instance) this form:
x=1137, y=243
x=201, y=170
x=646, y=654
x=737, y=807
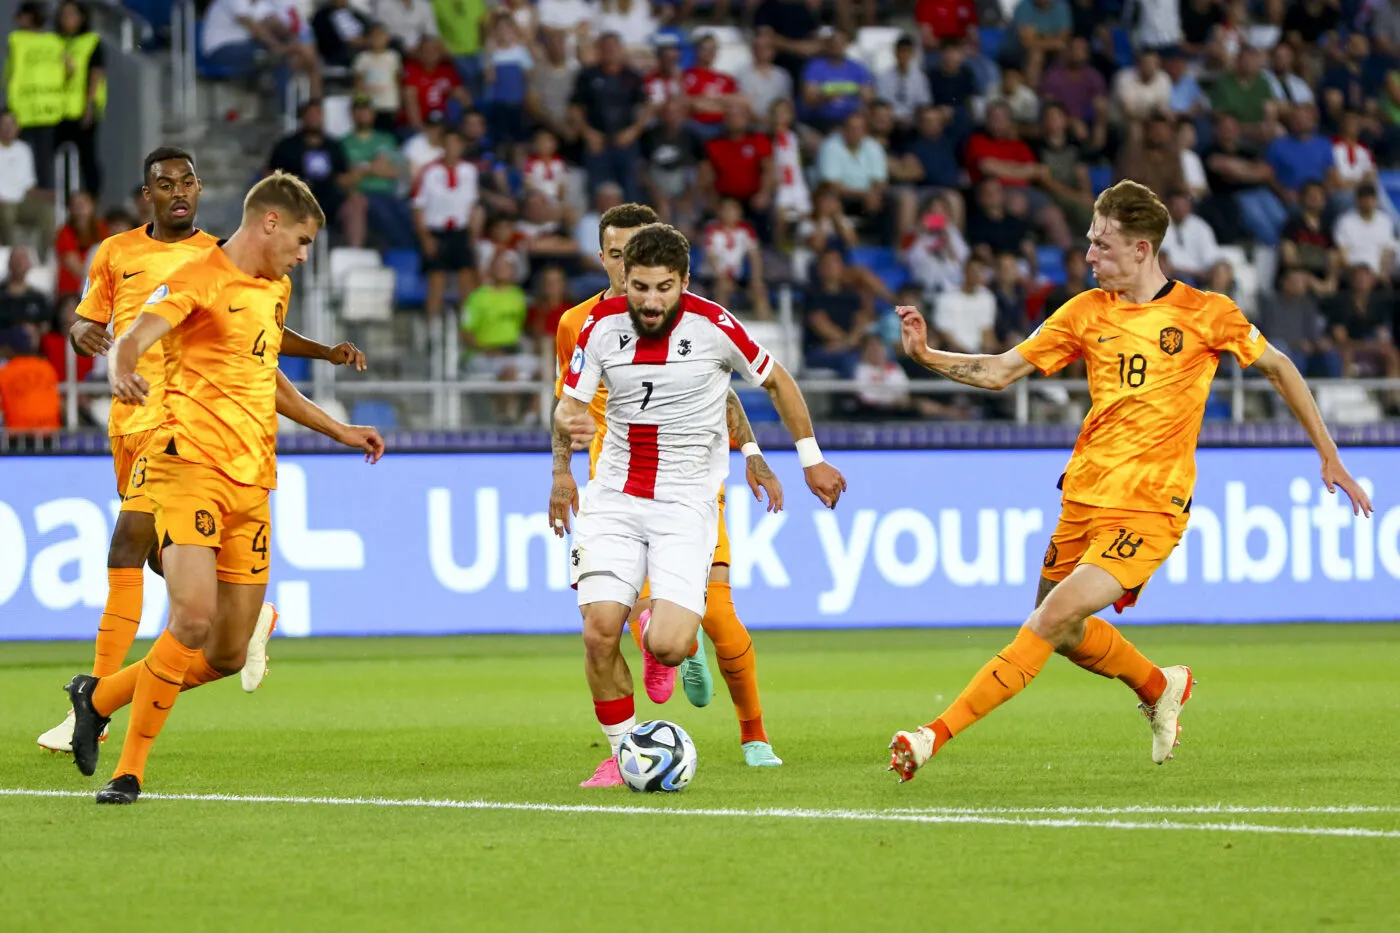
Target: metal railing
x=184, y=95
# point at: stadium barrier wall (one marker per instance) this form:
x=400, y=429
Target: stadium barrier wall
x=459, y=543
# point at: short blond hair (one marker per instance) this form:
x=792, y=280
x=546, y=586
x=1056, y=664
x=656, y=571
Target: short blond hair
x=286, y=194
x=1139, y=212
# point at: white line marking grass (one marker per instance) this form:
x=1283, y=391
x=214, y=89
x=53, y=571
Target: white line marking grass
x=1067, y=818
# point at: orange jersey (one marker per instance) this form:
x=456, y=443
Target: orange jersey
x=221, y=365
x=565, y=339
x=29, y=396
x=124, y=270
x=1150, y=368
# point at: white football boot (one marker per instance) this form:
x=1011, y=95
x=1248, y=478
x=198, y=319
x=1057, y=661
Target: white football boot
x=1164, y=716
x=255, y=667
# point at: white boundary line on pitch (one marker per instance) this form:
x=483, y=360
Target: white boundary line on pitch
x=877, y=816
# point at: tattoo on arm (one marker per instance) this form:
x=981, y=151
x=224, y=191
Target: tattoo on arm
x=563, y=449
x=972, y=371
x=761, y=470
x=740, y=431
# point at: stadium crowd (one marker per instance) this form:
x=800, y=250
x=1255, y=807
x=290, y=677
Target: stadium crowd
x=952, y=163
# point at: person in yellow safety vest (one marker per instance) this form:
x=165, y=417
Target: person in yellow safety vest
x=35, y=75
x=84, y=93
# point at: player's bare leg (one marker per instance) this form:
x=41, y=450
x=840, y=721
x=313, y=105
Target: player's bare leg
x=658, y=679
x=133, y=544
x=609, y=680
x=671, y=631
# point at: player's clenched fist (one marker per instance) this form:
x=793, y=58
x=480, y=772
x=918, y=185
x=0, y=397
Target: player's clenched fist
x=347, y=354
x=826, y=483
x=581, y=428
x=913, y=330
x=129, y=388
x=90, y=338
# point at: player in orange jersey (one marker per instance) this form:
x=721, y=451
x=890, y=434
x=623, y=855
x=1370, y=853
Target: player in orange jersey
x=123, y=271
x=211, y=468
x=1151, y=346
x=733, y=645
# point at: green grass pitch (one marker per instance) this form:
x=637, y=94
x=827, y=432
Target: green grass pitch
x=1049, y=815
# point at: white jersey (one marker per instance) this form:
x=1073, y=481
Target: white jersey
x=668, y=437
x=792, y=194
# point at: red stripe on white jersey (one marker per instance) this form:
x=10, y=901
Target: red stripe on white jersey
x=651, y=350
x=643, y=460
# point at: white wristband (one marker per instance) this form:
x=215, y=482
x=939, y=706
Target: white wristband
x=808, y=453
x=750, y=450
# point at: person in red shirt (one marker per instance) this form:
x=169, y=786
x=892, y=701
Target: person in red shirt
x=668, y=80
x=708, y=90
x=739, y=165
x=29, y=399
x=432, y=85
x=998, y=153
x=75, y=240
x=944, y=19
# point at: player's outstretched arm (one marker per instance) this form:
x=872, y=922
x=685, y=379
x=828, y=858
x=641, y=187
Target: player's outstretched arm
x=144, y=333
x=571, y=424
x=307, y=413
x=756, y=470
x=1289, y=384
x=825, y=481
x=342, y=354
x=984, y=370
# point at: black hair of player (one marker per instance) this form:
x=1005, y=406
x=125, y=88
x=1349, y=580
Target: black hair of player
x=163, y=154
x=658, y=246
x=626, y=217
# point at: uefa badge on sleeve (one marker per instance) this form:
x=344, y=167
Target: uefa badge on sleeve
x=575, y=364
x=159, y=295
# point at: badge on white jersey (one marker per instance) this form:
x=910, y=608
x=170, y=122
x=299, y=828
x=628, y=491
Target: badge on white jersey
x=159, y=295
x=575, y=364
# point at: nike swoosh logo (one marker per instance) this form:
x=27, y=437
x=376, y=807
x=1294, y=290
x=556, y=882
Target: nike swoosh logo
x=1107, y=339
x=233, y=310
x=260, y=569
x=157, y=705
x=127, y=275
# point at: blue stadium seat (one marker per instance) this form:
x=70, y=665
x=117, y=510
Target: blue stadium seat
x=1123, y=48
x=295, y=368
x=1390, y=184
x=991, y=39
x=1051, y=260
x=872, y=257
x=377, y=413
x=411, y=289
x=1218, y=408
x=757, y=405
x=894, y=276
x=1100, y=177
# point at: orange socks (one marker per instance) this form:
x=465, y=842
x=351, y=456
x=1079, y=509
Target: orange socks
x=157, y=686
x=737, y=663
x=116, y=690
x=121, y=617
x=1001, y=679
x=1107, y=653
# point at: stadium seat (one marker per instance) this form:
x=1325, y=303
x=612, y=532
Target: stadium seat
x=345, y=258
x=1218, y=408
x=1123, y=48
x=1347, y=404
x=201, y=64
x=779, y=341
x=991, y=39
x=295, y=368
x=335, y=111
x=872, y=257
x=410, y=289
x=369, y=295
x=874, y=46
x=758, y=406
x=376, y=413
x=1050, y=260
x=1100, y=177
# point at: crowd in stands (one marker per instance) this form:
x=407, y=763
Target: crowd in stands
x=952, y=162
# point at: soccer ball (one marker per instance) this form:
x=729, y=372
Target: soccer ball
x=657, y=756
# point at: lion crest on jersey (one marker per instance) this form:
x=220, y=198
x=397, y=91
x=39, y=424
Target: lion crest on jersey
x=1171, y=340
x=204, y=523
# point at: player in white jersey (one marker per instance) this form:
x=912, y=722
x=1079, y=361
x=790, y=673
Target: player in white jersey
x=665, y=356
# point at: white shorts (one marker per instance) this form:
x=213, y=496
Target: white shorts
x=621, y=541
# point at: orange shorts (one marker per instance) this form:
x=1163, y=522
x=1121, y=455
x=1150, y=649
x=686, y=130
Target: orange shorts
x=129, y=459
x=196, y=504
x=1130, y=545
x=721, y=548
